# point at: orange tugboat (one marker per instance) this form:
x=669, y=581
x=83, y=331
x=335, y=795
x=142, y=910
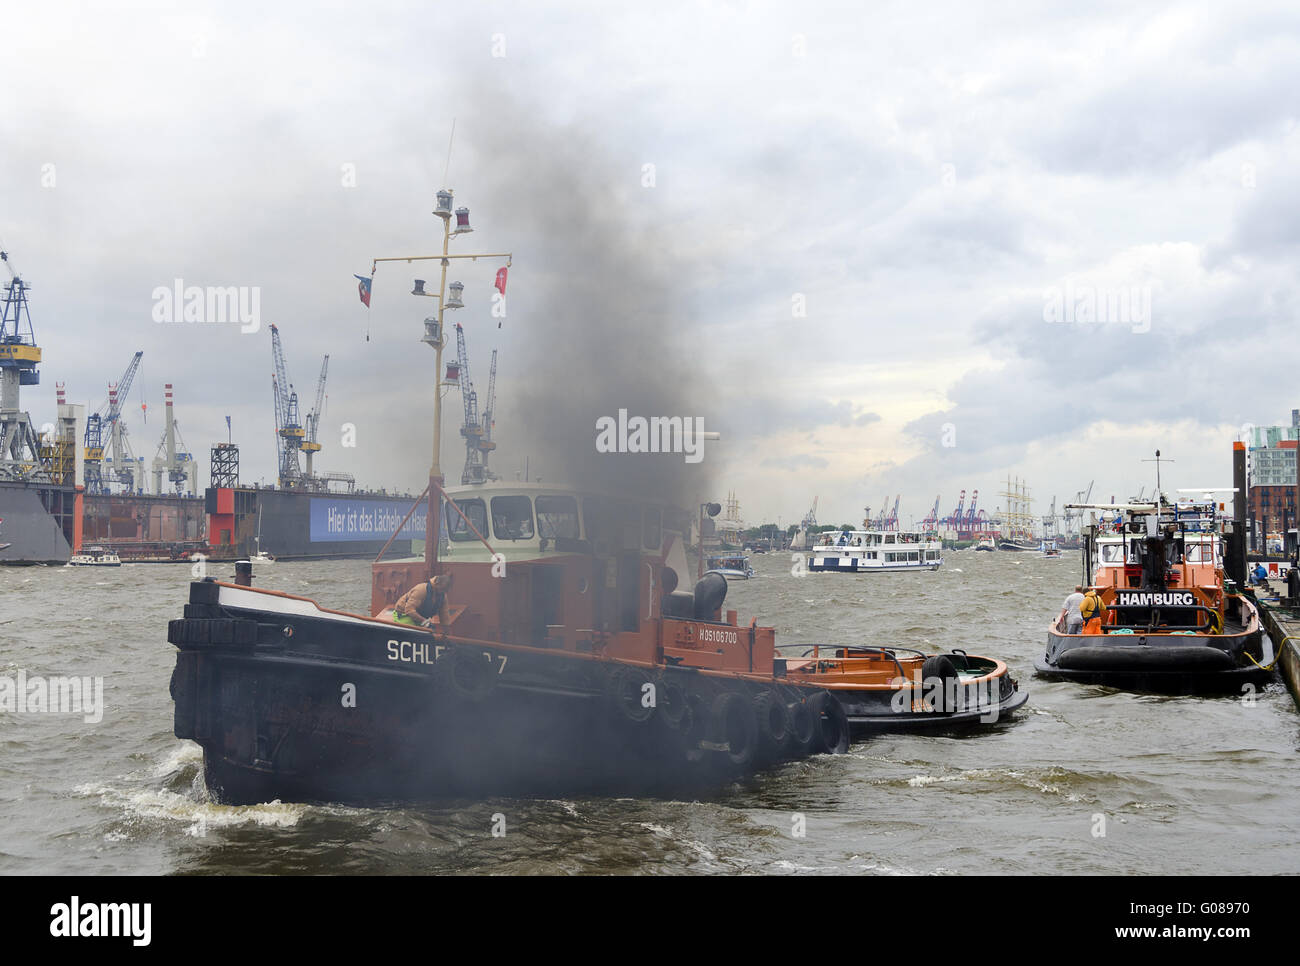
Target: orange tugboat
x=1161, y=614
x=582, y=663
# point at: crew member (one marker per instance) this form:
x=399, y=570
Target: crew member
x=1093, y=612
x=1073, y=618
x=419, y=605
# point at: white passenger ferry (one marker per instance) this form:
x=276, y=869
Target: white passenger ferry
x=95, y=557
x=860, y=551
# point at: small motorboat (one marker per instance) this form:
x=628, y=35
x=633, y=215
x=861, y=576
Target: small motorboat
x=986, y=543
x=733, y=566
x=1048, y=548
x=95, y=557
x=900, y=688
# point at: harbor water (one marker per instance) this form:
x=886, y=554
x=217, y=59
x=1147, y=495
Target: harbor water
x=1082, y=780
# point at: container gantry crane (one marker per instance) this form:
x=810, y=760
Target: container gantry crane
x=931, y=520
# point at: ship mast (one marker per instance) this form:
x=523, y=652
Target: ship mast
x=433, y=336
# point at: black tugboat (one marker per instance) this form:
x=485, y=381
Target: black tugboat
x=578, y=666
x=573, y=672
x=1172, y=622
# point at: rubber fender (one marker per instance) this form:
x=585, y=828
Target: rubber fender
x=830, y=724
x=736, y=725
x=773, y=722
x=625, y=695
x=936, y=674
x=802, y=727
x=184, y=688
x=672, y=706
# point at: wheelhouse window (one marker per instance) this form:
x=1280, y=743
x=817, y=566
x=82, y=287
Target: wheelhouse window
x=512, y=517
x=477, y=513
x=557, y=516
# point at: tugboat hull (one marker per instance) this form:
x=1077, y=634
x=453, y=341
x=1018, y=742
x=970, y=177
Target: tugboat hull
x=1162, y=663
x=296, y=703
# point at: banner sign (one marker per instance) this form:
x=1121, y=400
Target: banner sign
x=343, y=519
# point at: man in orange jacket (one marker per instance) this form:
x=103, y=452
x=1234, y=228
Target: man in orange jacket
x=1093, y=612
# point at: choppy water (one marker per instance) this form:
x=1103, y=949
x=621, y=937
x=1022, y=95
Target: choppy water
x=1185, y=785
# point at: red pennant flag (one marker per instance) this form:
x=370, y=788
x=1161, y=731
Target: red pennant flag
x=501, y=280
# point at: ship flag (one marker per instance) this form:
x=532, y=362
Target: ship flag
x=501, y=280
x=363, y=289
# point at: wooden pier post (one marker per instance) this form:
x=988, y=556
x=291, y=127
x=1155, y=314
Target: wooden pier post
x=1235, y=559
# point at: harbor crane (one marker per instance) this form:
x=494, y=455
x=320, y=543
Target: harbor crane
x=1074, y=515
x=291, y=436
x=108, y=419
x=931, y=520
x=954, y=519
x=475, y=431
x=20, y=456
x=311, y=445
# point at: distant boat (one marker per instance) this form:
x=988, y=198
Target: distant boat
x=986, y=543
x=863, y=551
x=261, y=556
x=733, y=566
x=95, y=557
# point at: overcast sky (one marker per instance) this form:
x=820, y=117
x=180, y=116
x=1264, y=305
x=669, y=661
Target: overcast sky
x=930, y=182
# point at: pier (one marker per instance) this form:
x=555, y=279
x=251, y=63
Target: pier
x=1281, y=617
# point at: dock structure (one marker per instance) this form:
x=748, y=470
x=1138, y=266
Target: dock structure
x=1281, y=617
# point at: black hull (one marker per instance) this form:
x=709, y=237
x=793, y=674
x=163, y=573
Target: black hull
x=266, y=695
x=878, y=718
x=1186, y=664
